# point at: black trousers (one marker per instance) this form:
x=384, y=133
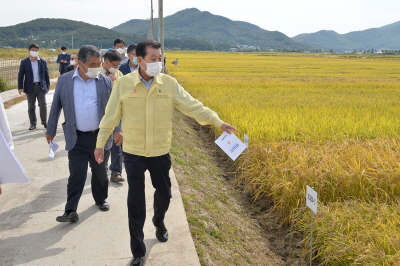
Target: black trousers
x=41, y=97
x=116, y=158
x=79, y=158
x=135, y=167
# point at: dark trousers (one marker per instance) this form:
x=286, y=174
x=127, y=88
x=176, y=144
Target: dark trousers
x=79, y=157
x=41, y=97
x=116, y=158
x=135, y=167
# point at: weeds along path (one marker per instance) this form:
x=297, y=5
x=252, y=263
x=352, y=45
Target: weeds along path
x=227, y=227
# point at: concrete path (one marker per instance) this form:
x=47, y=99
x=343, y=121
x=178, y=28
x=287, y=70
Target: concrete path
x=30, y=235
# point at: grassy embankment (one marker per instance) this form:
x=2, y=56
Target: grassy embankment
x=327, y=121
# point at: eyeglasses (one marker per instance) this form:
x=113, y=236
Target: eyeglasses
x=115, y=66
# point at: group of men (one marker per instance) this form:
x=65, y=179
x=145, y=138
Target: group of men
x=101, y=100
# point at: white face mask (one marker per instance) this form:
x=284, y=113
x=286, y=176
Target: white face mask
x=72, y=62
x=92, y=72
x=121, y=50
x=34, y=53
x=112, y=70
x=153, y=69
x=63, y=52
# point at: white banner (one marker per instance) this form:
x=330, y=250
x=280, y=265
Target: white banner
x=11, y=170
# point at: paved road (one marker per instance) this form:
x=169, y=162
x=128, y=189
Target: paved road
x=30, y=235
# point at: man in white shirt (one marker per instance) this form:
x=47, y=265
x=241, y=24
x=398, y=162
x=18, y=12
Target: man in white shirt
x=119, y=46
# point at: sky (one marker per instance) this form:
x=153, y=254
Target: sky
x=291, y=17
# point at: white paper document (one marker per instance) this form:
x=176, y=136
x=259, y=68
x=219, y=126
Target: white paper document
x=11, y=170
x=231, y=145
x=52, y=150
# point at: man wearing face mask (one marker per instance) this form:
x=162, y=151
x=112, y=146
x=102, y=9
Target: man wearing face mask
x=111, y=64
x=112, y=61
x=119, y=46
x=34, y=81
x=82, y=95
x=145, y=101
x=132, y=63
x=63, y=59
x=72, y=62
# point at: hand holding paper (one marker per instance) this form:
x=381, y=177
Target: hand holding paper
x=53, y=148
x=227, y=128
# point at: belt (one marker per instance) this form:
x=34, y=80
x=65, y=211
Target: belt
x=88, y=132
x=36, y=83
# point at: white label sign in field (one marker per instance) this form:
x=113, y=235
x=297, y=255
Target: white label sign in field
x=311, y=199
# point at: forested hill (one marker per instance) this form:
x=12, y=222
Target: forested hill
x=54, y=33
x=384, y=38
x=193, y=23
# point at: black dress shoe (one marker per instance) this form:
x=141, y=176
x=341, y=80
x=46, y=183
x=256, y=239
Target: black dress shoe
x=71, y=217
x=44, y=124
x=103, y=206
x=137, y=262
x=162, y=233
x=32, y=127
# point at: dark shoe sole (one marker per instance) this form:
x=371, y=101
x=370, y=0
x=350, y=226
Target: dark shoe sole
x=63, y=220
x=141, y=263
x=104, y=209
x=117, y=180
x=162, y=239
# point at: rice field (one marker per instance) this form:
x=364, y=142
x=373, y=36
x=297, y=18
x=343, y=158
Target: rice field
x=328, y=121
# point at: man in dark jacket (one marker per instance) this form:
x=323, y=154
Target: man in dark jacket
x=63, y=60
x=132, y=63
x=34, y=81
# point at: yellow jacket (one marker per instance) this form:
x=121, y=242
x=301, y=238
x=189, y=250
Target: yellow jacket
x=118, y=73
x=146, y=114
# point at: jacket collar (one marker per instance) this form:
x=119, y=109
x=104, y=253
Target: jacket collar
x=38, y=58
x=157, y=79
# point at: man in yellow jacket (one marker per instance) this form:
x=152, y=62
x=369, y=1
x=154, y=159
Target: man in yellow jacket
x=145, y=100
x=112, y=61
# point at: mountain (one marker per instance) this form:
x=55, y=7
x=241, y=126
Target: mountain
x=385, y=38
x=54, y=33
x=191, y=22
x=325, y=40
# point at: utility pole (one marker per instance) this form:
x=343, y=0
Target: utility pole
x=151, y=33
x=161, y=29
x=72, y=41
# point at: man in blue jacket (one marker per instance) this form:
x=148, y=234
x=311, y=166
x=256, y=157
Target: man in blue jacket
x=63, y=60
x=34, y=81
x=132, y=63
